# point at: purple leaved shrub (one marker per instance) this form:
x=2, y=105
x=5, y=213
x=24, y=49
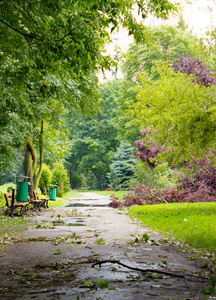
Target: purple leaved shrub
x=146, y=150
x=190, y=65
x=205, y=175
x=143, y=195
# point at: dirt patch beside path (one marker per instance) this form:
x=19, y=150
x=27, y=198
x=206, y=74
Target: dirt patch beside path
x=54, y=259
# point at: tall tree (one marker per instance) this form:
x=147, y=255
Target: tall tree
x=50, y=52
x=166, y=43
x=122, y=168
x=93, y=139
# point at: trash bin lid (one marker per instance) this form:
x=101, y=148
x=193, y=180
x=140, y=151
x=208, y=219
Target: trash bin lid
x=22, y=178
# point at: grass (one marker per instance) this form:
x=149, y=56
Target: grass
x=194, y=223
x=10, y=228
x=63, y=201
x=59, y=202
x=118, y=194
x=72, y=194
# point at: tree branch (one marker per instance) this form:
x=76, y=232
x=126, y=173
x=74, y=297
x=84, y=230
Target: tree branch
x=136, y=269
x=22, y=33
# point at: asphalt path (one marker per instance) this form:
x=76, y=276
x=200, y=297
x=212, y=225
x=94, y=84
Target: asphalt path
x=88, y=250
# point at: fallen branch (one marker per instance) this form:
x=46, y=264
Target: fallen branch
x=136, y=269
x=159, y=199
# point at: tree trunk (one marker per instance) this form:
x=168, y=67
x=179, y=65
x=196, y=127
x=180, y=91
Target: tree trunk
x=38, y=175
x=30, y=164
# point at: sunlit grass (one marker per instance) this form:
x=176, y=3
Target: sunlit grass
x=118, y=194
x=72, y=194
x=59, y=202
x=194, y=223
x=63, y=201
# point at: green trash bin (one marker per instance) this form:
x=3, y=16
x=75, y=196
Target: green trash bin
x=53, y=192
x=22, y=189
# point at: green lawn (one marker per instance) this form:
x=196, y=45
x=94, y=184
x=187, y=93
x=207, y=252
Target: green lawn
x=118, y=194
x=72, y=194
x=194, y=223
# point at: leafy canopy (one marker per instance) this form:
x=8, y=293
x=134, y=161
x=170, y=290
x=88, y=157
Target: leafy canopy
x=180, y=113
x=165, y=43
x=50, y=52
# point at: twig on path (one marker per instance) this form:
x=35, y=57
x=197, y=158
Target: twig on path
x=136, y=269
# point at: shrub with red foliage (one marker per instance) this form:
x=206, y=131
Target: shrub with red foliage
x=146, y=151
x=205, y=175
x=190, y=65
x=143, y=195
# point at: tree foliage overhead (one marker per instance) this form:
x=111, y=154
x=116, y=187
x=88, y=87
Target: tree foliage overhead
x=50, y=52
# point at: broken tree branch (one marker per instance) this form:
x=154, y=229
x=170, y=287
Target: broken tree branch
x=136, y=269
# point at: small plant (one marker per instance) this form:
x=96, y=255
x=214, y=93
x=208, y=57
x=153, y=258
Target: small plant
x=2, y=199
x=100, y=241
x=103, y=283
x=89, y=284
x=58, y=252
x=9, y=189
x=145, y=237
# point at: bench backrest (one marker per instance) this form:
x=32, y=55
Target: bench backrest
x=36, y=195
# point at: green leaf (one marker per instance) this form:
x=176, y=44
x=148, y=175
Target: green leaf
x=100, y=241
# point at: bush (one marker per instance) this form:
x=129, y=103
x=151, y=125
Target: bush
x=146, y=151
x=76, y=180
x=60, y=178
x=161, y=177
x=45, y=179
x=204, y=76
x=205, y=175
x=144, y=175
x=148, y=195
